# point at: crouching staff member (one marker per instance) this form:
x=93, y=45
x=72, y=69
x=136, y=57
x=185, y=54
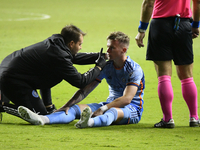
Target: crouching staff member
x=44, y=65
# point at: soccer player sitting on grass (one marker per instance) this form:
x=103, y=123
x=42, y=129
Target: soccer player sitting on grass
x=124, y=104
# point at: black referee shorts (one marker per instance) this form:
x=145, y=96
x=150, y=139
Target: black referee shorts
x=164, y=43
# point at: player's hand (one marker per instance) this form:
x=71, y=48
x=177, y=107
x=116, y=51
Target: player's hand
x=101, y=62
x=97, y=113
x=139, y=39
x=65, y=109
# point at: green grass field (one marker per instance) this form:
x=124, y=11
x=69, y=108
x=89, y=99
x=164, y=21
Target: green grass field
x=22, y=24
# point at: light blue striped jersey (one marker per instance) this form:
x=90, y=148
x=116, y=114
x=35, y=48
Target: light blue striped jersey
x=130, y=75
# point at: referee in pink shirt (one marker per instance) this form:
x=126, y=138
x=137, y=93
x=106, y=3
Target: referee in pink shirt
x=173, y=26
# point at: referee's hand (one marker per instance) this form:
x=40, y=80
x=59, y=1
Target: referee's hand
x=195, y=32
x=139, y=39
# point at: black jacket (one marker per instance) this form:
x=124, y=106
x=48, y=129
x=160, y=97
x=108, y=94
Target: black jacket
x=47, y=63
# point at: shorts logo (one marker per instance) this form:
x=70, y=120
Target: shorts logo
x=35, y=94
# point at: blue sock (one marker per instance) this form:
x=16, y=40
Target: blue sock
x=61, y=118
x=106, y=119
x=125, y=119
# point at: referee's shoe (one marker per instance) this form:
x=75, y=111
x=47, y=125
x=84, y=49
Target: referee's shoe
x=163, y=124
x=194, y=122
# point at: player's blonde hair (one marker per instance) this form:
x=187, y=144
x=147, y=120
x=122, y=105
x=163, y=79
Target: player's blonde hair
x=121, y=37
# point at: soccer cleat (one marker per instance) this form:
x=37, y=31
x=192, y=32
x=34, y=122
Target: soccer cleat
x=163, y=124
x=85, y=116
x=194, y=122
x=30, y=116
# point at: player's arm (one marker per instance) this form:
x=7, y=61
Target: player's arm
x=122, y=101
x=147, y=9
x=146, y=12
x=79, y=96
x=196, y=17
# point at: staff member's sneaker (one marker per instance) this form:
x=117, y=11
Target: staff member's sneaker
x=194, y=122
x=163, y=124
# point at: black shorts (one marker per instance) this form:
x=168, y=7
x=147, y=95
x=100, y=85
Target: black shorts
x=164, y=43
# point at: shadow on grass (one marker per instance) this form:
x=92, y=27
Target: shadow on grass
x=138, y=126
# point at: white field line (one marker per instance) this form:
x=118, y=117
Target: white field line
x=30, y=16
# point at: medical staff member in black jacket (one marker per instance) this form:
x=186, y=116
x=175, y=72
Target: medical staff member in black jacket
x=44, y=65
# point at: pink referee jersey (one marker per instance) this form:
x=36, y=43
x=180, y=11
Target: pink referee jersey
x=170, y=8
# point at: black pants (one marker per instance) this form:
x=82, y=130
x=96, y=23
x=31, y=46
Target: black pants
x=21, y=94
x=3, y=98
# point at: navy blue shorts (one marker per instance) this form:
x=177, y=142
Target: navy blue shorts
x=164, y=43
